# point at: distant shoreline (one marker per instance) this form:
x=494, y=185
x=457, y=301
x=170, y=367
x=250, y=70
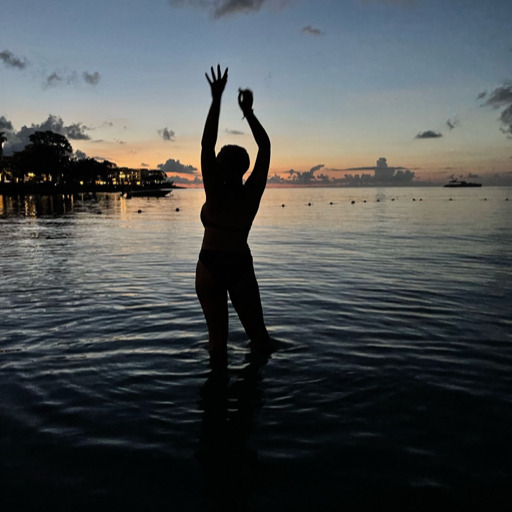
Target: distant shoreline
x=15, y=189
x=44, y=189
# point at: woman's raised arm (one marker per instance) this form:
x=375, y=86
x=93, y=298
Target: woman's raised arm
x=258, y=179
x=211, y=127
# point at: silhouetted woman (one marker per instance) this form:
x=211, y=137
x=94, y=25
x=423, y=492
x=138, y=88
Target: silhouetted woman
x=225, y=263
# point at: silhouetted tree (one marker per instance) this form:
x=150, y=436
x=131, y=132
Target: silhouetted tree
x=47, y=154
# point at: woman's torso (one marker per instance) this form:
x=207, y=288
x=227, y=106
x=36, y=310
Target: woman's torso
x=227, y=220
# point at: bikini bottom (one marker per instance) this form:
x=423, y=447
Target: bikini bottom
x=227, y=268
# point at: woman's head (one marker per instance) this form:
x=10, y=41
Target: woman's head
x=233, y=161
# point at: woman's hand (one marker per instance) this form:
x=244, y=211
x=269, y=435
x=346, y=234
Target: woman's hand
x=245, y=100
x=217, y=83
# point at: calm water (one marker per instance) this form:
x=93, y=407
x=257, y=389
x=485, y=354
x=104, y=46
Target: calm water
x=392, y=383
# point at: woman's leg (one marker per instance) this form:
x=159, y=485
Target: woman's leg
x=245, y=297
x=214, y=301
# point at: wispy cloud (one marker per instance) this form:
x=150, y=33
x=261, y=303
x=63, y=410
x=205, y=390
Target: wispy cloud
x=429, y=134
x=308, y=29
x=499, y=98
x=166, y=134
x=51, y=78
x=452, y=123
x=70, y=77
x=224, y=8
x=233, y=132
x=400, y=3
x=13, y=61
x=91, y=78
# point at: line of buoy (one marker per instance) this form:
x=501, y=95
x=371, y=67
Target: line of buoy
x=377, y=200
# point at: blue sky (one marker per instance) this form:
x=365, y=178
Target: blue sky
x=337, y=83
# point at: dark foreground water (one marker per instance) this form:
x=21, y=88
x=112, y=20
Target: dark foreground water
x=391, y=385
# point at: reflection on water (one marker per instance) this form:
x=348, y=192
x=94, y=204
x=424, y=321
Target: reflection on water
x=391, y=382
x=37, y=205
x=230, y=401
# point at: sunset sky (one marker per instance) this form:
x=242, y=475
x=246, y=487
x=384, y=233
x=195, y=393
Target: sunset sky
x=338, y=84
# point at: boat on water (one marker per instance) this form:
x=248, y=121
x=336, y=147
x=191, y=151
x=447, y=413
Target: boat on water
x=460, y=184
x=146, y=192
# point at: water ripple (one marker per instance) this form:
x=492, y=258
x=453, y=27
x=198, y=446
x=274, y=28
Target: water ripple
x=393, y=369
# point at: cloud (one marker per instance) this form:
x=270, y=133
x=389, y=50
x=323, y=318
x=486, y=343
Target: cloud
x=69, y=77
x=79, y=155
x=167, y=134
x=312, y=31
x=306, y=177
x=402, y=3
x=17, y=140
x=481, y=95
x=5, y=125
x=499, y=98
x=176, y=166
x=222, y=8
x=230, y=7
x=276, y=179
x=91, y=78
x=383, y=175
x=452, y=123
x=429, y=134
x=51, y=78
x=76, y=131
x=233, y=132
x=12, y=61
x=506, y=119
